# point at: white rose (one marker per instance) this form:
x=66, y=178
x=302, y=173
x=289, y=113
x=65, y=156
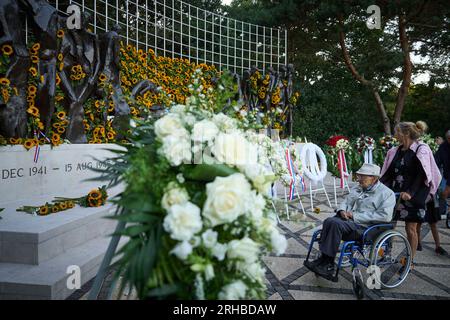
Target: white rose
x=255, y=272
x=209, y=238
x=278, y=241
x=260, y=176
x=204, y=130
x=245, y=250
x=234, y=149
x=174, y=196
x=259, y=204
x=227, y=199
x=170, y=125
x=183, y=221
x=209, y=272
x=219, y=250
x=182, y=250
x=224, y=122
x=177, y=150
x=233, y=291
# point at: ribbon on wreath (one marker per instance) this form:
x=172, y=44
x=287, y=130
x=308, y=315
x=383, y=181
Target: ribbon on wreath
x=368, y=155
x=290, y=166
x=342, y=167
x=37, y=150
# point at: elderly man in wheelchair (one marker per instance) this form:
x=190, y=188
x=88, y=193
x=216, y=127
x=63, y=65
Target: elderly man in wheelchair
x=362, y=221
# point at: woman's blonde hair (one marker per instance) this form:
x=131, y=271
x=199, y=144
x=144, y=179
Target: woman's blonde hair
x=411, y=129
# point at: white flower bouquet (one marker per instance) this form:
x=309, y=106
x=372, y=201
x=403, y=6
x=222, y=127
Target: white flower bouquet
x=195, y=202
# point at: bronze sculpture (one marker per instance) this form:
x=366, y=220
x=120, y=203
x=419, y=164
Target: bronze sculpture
x=13, y=117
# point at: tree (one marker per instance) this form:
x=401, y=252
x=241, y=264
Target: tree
x=380, y=60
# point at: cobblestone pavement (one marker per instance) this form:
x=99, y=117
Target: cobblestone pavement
x=288, y=279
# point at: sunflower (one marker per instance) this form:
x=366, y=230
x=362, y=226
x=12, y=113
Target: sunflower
x=56, y=125
x=110, y=108
x=63, y=205
x=102, y=77
x=7, y=49
x=33, y=111
x=61, y=115
x=95, y=194
x=61, y=130
x=58, y=79
x=5, y=95
x=70, y=204
x=4, y=81
x=34, y=59
x=36, y=46
x=40, y=125
x=61, y=66
x=56, y=139
x=15, y=140
x=59, y=98
x=29, y=143
x=94, y=202
x=43, y=211
x=32, y=89
x=33, y=71
x=60, y=56
x=110, y=135
x=55, y=208
x=60, y=33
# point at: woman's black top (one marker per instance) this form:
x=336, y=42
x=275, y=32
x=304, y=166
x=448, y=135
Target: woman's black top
x=406, y=174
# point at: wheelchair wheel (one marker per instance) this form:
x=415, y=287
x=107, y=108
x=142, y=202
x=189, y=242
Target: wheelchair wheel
x=358, y=284
x=391, y=254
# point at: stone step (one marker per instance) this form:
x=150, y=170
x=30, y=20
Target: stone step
x=48, y=280
x=29, y=239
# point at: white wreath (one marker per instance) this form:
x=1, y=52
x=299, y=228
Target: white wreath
x=308, y=158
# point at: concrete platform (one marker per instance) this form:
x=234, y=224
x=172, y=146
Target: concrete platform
x=35, y=251
x=48, y=280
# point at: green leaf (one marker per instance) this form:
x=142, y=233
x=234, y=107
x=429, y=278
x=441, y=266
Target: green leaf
x=135, y=217
x=133, y=231
x=163, y=291
x=206, y=172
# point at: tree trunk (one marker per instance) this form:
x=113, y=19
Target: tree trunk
x=407, y=70
x=379, y=103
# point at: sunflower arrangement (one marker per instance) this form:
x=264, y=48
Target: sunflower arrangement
x=77, y=73
x=48, y=208
x=95, y=198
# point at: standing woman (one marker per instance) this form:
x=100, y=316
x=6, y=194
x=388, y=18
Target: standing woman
x=411, y=171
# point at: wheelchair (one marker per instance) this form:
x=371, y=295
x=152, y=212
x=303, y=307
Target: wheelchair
x=385, y=253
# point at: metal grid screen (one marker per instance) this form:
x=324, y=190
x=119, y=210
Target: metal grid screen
x=176, y=29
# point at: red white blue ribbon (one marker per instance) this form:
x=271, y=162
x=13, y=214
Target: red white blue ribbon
x=37, y=150
x=342, y=166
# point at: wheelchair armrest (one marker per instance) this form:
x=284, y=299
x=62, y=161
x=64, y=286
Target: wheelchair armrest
x=373, y=231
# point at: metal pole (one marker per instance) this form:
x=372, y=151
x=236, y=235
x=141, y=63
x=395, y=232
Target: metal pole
x=106, y=262
x=106, y=15
x=286, y=47
x=146, y=25
x=156, y=29
x=126, y=20
x=181, y=30
x=164, y=28
x=137, y=25
x=264, y=49
x=95, y=16
x=173, y=29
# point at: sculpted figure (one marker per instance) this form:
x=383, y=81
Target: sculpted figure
x=80, y=49
x=13, y=117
